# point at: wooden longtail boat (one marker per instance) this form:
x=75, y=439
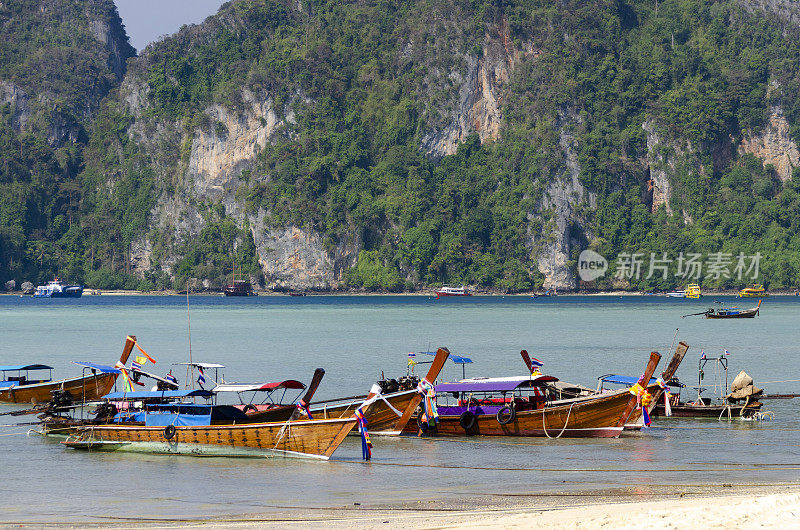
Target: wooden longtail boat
x=733, y=312
x=383, y=417
x=594, y=416
x=87, y=387
x=724, y=406
x=301, y=438
x=195, y=434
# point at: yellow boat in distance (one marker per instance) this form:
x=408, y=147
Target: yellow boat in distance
x=693, y=291
x=756, y=291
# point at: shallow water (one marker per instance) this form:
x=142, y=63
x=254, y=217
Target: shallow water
x=354, y=339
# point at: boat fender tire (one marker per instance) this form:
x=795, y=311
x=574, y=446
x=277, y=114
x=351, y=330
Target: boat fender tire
x=169, y=432
x=467, y=420
x=506, y=415
x=422, y=424
x=249, y=407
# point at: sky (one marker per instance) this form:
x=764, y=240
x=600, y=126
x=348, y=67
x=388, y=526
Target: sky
x=147, y=20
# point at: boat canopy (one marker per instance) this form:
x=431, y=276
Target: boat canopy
x=494, y=384
x=457, y=359
x=99, y=367
x=265, y=387
x=157, y=394
x=17, y=368
x=622, y=379
x=204, y=366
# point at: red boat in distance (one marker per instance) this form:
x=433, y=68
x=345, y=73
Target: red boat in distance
x=452, y=291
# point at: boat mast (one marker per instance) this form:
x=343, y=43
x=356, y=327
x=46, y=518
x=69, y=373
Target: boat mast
x=189, y=328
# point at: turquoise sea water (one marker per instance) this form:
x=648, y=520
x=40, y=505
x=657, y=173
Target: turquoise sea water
x=355, y=338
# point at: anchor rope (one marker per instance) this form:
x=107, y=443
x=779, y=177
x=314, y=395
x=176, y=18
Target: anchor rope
x=544, y=428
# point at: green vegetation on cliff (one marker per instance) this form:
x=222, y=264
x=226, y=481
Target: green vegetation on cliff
x=368, y=83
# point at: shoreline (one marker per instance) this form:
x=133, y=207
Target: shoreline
x=708, y=294
x=646, y=507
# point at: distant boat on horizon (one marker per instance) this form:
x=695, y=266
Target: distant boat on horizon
x=58, y=289
x=452, y=291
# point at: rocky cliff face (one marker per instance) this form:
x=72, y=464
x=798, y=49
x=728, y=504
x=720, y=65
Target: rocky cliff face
x=17, y=99
x=564, y=196
x=661, y=164
x=478, y=108
x=774, y=145
x=788, y=10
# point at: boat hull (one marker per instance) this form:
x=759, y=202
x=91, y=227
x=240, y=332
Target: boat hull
x=747, y=313
x=301, y=438
x=590, y=417
x=86, y=388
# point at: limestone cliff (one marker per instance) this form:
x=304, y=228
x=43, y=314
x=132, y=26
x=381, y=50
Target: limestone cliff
x=774, y=145
x=564, y=197
x=788, y=10
x=477, y=106
x=661, y=164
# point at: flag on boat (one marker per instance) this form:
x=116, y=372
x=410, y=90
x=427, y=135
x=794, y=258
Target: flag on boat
x=171, y=378
x=202, y=377
x=412, y=358
x=727, y=352
x=702, y=354
x=145, y=354
x=137, y=363
x=536, y=363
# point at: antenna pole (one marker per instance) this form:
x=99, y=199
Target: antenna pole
x=673, y=340
x=189, y=328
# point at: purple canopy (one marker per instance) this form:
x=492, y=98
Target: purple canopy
x=494, y=384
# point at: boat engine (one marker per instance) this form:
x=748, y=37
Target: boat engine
x=390, y=386
x=60, y=398
x=105, y=412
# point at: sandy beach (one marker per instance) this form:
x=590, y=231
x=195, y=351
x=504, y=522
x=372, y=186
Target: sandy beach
x=674, y=507
x=773, y=508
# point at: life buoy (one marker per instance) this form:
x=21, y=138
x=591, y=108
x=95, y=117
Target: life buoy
x=169, y=432
x=506, y=415
x=467, y=420
x=249, y=407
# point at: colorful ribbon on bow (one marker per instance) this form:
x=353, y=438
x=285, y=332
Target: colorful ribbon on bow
x=366, y=444
x=428, y=392
x=302, y=406
x=643, y=400
x=667, y=396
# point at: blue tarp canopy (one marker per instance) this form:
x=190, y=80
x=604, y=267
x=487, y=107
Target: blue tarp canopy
x=494, y=384
x=162, y=419
x=15, y=368
x=455, y=358
x=99, y=367
x=166, y=394
x=623, y=379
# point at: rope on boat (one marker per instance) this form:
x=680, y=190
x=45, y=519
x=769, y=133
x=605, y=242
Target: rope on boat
x=286, y=427
x=544, y=428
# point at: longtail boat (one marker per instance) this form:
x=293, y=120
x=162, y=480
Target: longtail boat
x=176, y=431
x=740, y=404
x=522, y=406
x=89, y=386
x=733, y=312
x=391, y=411
x=304, y=438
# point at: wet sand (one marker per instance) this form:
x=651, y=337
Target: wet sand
x=674, y=507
